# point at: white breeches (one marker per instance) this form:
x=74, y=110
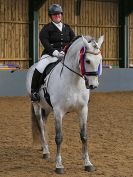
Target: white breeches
x=44, y=61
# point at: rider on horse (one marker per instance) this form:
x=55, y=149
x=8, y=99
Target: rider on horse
x=54, y=36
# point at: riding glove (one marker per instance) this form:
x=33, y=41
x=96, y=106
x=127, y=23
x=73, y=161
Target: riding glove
x=61, y=55
x=58, y=54
x=55, y=53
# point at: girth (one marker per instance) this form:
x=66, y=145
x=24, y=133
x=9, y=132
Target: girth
x=47, y=97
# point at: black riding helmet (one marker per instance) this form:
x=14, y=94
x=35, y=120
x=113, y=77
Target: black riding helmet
x=55, y=9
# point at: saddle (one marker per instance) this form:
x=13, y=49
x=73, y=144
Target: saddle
x=47, y=70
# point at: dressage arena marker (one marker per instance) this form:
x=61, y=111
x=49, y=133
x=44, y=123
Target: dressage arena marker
x=9, y=67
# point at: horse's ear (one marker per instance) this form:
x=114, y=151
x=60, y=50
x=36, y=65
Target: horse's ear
x=100, y=41
x=85, y=41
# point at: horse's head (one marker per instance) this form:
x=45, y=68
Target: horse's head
x=91, y=62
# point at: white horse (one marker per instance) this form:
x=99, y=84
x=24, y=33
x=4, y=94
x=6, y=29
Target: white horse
x=68, y=86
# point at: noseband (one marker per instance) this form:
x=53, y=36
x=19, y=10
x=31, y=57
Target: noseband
x=93, y=73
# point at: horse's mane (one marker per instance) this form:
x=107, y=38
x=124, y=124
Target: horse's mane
x=71, y=42
x=88, y=38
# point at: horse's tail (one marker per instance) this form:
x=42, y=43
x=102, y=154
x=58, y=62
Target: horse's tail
x=35, y=127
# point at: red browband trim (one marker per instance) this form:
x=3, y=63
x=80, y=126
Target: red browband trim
x=82, y=62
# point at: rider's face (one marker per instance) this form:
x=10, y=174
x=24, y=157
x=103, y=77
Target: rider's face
x=56, y=18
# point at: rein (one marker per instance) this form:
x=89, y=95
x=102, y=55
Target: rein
x=70, y=70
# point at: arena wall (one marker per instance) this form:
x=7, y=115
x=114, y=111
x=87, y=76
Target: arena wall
x=119, y=79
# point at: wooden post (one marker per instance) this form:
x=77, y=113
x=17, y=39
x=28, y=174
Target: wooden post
x=125, y=8
x=31, y=32
x=34, y=7
x=35, y=37
x=123, y=35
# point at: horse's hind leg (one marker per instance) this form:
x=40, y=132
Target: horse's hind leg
x=83, y=135
x=46, y=153
x=39, y=121
x=58, y=140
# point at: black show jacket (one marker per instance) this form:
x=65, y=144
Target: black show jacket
x=54, y=39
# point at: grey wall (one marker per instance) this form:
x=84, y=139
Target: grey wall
x=13, y=84
x=119, y=79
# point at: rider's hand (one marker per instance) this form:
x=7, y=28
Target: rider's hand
x=61, y=54
x=55, y=53
x=58, y=54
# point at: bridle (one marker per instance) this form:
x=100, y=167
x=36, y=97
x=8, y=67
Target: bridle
x=93, y=53
x=91, y=73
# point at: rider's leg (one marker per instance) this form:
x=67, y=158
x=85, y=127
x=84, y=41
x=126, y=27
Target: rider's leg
x=35, y=85
x=36, y=79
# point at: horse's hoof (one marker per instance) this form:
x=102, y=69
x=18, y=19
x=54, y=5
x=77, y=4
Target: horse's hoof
x=46, y=156
x=90, y=168
x=59, y=170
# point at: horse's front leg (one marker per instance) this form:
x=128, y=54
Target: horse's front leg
x=83, y=135
x=58, y=140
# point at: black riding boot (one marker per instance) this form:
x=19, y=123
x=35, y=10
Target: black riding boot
x=35, y=85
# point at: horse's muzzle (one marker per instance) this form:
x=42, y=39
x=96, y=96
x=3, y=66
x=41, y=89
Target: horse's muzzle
x=90, y=86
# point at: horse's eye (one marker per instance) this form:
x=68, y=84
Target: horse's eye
x=88, y=62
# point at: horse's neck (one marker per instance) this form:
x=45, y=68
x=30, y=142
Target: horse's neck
x=72, y=61
x=73, y=54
